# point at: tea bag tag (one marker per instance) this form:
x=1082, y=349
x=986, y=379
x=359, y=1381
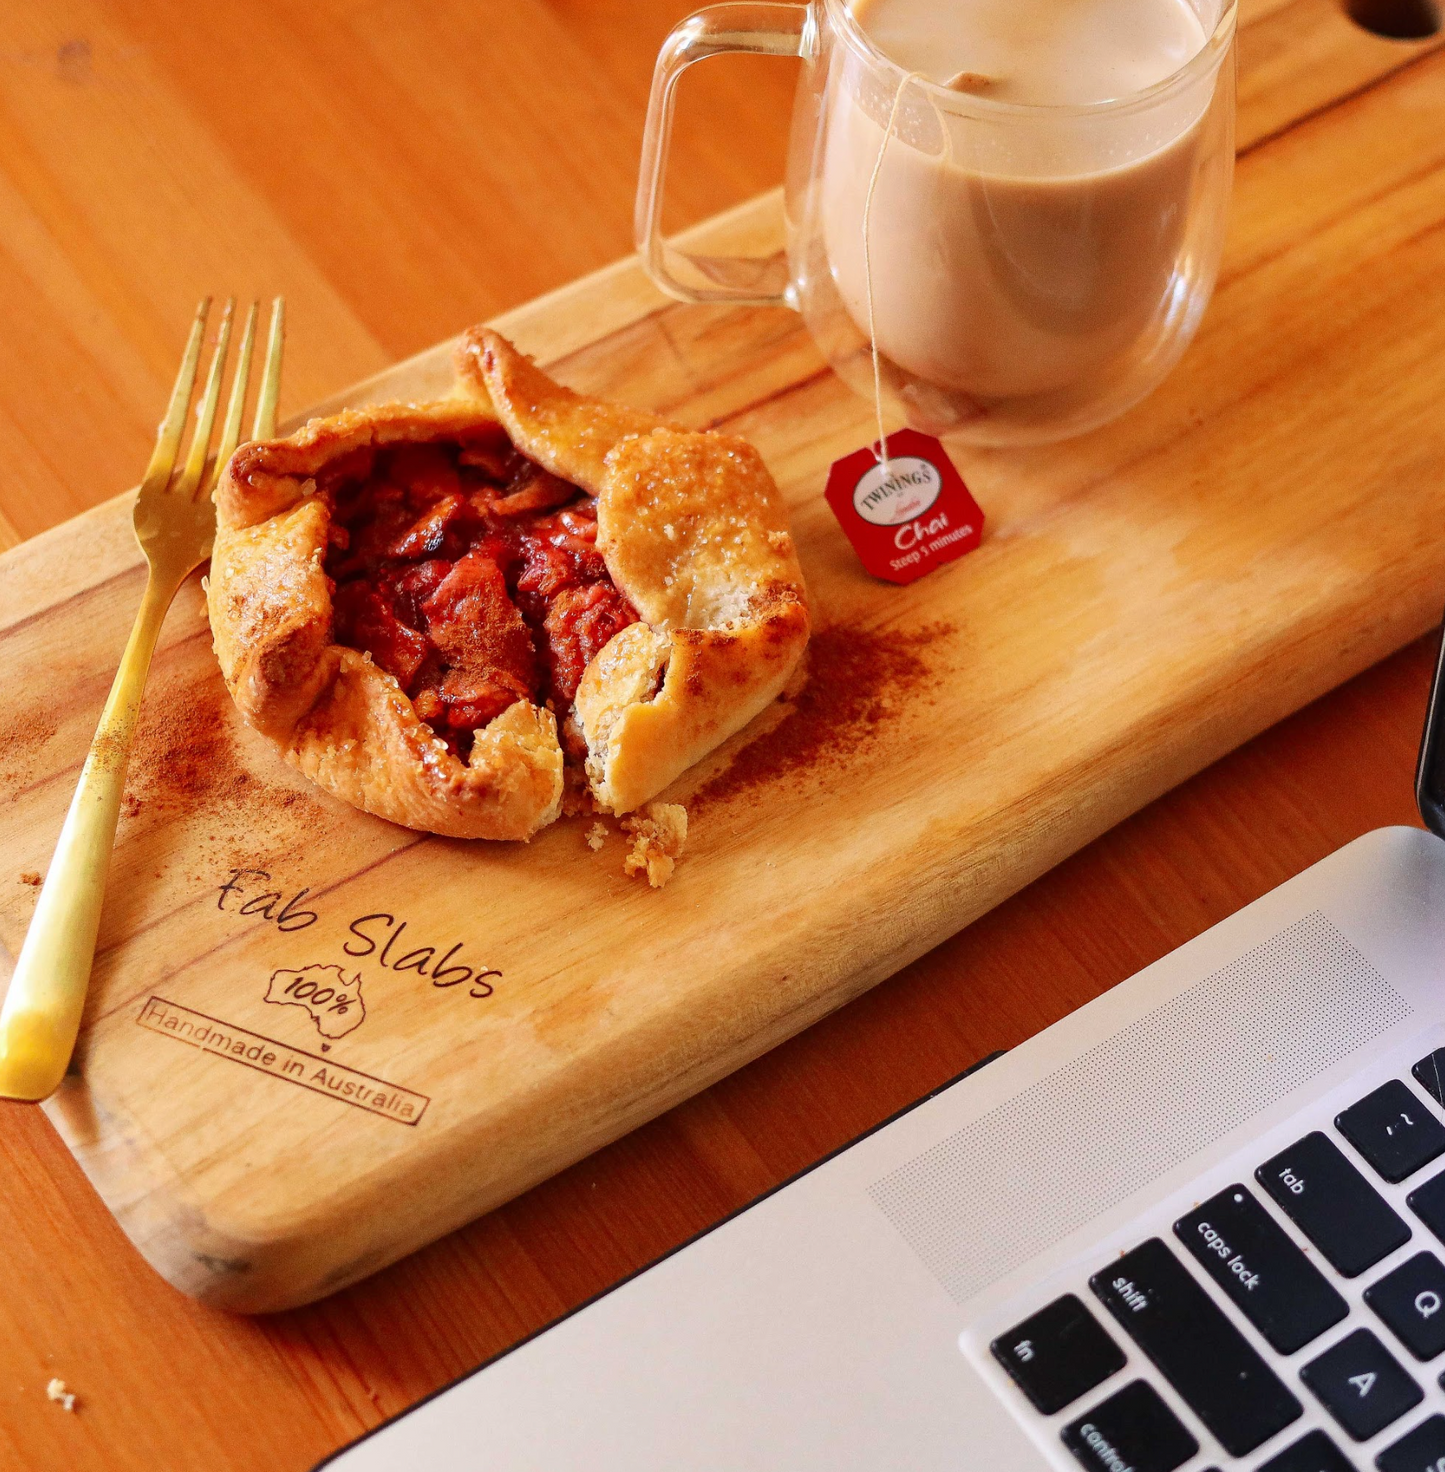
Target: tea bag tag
x=900, y=501
x=906, y=512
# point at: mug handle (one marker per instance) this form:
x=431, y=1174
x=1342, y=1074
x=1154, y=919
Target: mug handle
x=765, y=30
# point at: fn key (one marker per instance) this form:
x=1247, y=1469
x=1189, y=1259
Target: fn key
x=1058, y=1354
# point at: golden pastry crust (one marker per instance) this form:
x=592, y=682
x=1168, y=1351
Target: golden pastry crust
x=336, y=715
x=691, y=529
x=695, y=534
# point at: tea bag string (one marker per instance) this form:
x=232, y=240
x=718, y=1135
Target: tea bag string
x=868, y=265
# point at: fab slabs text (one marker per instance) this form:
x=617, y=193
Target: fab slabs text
x=379, y=938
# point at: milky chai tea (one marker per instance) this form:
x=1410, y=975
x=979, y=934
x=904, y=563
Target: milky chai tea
x=1046, y=214
x=1024, y=269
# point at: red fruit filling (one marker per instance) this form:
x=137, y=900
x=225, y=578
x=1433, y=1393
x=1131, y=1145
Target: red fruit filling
x=469, y=573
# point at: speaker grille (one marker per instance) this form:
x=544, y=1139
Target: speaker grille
x=1076, y=1143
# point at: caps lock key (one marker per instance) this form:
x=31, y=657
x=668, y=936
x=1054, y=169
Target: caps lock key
x=1279, y=1290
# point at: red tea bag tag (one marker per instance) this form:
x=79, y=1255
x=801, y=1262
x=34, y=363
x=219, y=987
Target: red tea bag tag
x=909, y=517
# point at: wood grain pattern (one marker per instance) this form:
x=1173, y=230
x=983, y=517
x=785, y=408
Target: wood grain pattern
x=280, y=1392
x=397, y=171
x=1146, y=599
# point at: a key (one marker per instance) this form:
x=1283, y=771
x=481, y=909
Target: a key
x=1313, y=1452
x=1393, y=1130
x=1420, y=1450
x=1410, y=1300
x=1430, y=1075
x=1058, y=1354
x=1428, y=1203
x=1333, y=1204
x=1278, y=1289
x=1132, y=1429
x=1361, y=1384
x=1202, y=1355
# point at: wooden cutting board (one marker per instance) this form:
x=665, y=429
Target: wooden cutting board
x=316, y=1041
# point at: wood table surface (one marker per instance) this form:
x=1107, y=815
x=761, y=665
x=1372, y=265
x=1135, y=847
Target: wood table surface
x=399, y=171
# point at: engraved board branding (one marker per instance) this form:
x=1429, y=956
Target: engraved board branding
x=332, y=998
x=326, y=993
x=292, y=1065
x=379, y=938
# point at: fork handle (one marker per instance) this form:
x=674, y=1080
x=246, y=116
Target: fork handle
x=43, y=1006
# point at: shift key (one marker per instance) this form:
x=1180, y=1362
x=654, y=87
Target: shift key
x=1333, y=1204
x=1219, y=1374
x=1280, y=1291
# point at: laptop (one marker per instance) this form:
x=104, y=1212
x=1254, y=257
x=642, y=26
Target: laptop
x=1198, y=1224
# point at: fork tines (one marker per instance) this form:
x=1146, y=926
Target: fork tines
x=193, y=479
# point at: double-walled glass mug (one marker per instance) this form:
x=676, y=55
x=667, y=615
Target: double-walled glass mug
x=1034, y=270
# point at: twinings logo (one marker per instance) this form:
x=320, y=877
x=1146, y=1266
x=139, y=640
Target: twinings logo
x=889, y=495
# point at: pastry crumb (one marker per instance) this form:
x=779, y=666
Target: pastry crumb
x=57, y=1392
x=31, y=878
x=596, y=836
x=658, y=834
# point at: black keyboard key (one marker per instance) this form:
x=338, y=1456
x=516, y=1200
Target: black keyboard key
x=1201, y=1354
x=1333, y=1204
x=1420, y=1450
x=1361, y=1384
x=1393, y=1130
x=1428, y=1203
x=1410, y=1300
x=1058, y=1354
x=1430, y=1075
x=1132, y=1429
x=1278, y=1289
x=1313, y=1452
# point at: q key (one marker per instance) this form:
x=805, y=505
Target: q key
x=1410, y=1299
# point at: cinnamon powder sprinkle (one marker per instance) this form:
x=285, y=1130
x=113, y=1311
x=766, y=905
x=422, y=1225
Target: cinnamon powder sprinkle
x=859, y=681
x=187, y=761
x=21, y=740
x=31, y=878
x=183, y=751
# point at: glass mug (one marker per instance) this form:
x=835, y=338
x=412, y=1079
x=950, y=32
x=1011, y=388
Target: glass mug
x=1035, y=270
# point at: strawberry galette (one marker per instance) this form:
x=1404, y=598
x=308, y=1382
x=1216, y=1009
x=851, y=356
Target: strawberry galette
x=434, y=608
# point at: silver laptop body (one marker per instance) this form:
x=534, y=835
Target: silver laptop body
x=1189, y=1226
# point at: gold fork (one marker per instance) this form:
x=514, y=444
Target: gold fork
x=175, y=524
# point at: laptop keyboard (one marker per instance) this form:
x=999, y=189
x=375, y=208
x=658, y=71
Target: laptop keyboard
x=1366, y=1381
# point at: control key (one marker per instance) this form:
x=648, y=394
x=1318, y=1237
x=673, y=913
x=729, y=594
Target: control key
x=1133, y=1429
